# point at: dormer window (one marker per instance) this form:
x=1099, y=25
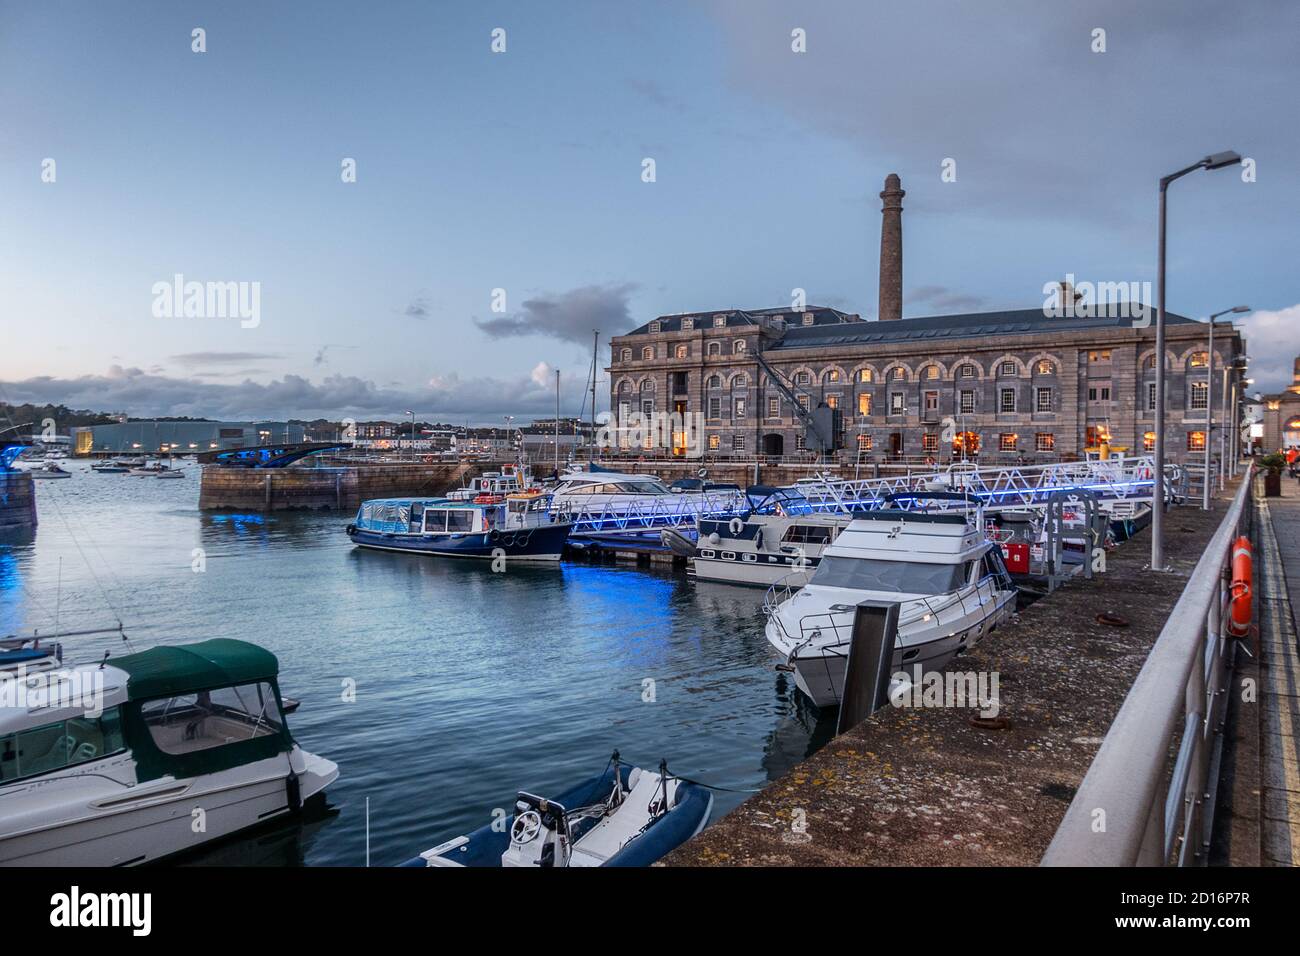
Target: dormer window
x=654, y=326
x=688, y=324
x=807, y=318
x=719, y=321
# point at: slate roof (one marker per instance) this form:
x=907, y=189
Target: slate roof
x=822, y=315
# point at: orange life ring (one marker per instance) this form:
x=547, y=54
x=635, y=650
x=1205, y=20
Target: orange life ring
x=1239, y=621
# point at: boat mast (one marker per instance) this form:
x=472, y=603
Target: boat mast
x=557, y=423
x=595, y=347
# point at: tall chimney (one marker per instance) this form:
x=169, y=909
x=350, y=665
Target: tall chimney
x=891, y=249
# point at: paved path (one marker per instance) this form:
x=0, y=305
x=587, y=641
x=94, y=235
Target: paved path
x=1279, y=596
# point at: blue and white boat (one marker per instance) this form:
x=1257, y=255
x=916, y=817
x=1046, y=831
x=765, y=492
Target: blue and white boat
x=624, y=817
x=518, y=527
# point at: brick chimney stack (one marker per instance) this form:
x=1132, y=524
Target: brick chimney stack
x=891, y=249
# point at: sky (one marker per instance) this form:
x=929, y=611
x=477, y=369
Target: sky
x=500, y=210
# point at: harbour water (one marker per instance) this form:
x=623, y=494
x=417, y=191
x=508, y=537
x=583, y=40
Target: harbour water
x=440, y=687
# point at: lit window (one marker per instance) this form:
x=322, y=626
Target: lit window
x=864, y=403
x=1007, y=442
x=930, y=442
x=832, y=375
x=774, y=408
x=715, y=442
x=932, y=371
x=1196, y=441
x=898, y=373
x=803, y=402
x=1199, y=359
x=680, y=351
x=1099, y=355
x=1045, y=441
x=1149, y=441
x=864, y=443
x=864, y=375
x=1045, y=367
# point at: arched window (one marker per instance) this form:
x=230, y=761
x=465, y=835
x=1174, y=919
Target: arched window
x=1045, y=367
x=715, y=348
x=898, y=373
x=831, y=375
x=647, y=353
x=740, y=381
x=624, y=387
x=681, y=351
x=739, y=347
x=648, y=385
x=967, y=371
x=715, y=381
x=864, y=375
x=1198, y=359
x=932, y=371
x=626, y=355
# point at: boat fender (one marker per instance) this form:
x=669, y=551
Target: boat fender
x=1239, y=622
x=293, y=790
x=494, y=535
x=735, y=526
x=351, y=529
x=758, y=538
x=714, y=538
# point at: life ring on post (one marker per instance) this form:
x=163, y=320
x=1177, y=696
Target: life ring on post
x=1240, y=616
x=735, y=526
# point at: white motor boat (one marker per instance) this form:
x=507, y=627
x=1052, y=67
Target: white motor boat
x=113, y=764
x=170, y=473
x=764, y=549
x=947, y=576
x=494, y=484
x=598, y=496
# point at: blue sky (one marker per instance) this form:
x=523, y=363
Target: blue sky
x=522, y=171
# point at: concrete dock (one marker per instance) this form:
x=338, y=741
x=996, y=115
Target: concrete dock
x=935, y=786
x=326, y=486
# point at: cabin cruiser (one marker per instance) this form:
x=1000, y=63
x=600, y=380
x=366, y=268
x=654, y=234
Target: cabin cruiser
x=154, y=468
x=518, y=526
x=943, y=570
x=115, y=763
x=509, y=480
x=598, y=496
x=110, y=466
x=627, y=816
x=777, y=538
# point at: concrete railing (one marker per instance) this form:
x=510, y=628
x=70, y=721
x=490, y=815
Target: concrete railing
x=1133, y=808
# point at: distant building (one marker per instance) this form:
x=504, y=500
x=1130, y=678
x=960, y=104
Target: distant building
x=179, y=438
x=1278, y=425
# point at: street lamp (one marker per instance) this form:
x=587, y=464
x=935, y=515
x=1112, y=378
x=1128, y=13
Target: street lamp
x=1209, y=406
x=1214, y=161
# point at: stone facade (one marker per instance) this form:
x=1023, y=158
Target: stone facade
x=1282, y=417
x=1015, y=386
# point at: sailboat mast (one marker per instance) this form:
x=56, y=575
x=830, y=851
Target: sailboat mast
x=595, y=348
x=557, y=422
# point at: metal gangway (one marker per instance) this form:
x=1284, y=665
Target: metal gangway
x=995, y=488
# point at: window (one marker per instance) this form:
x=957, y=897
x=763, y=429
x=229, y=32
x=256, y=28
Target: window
x=715, y=381
x=460, y=520
x=1045, y=441
x=626, y=355
x=898, y=373
x=832, y=401
x=1199, y=359
x=739, y=347
x=654, y=326
x=967, y=371
x=1007, y=442
x=932, y=372
x=832, y=375
x=681, y=351
x=897, y=403
x=715, y=348
x=864, y=375
x=715, y=442
x=1006, y=400
x=803, y=402
x=648, y=406
x=1043, y=400
x=1151, y=396
x=688, y=323
x=1008, y=368
x=740, y=381
x=966, y=401
x=1149, y=441
x=60, y=744
x=715, y=408
x=930, y=443
x=800, y=443
x=737, y=442
x=1045, y=367
x=864, y=443
x=808, y=534
x=647, y=353
x=1099, y=355
x=1099, y=393
x=738, y=408
x=1200, y=395
x=904, y=577
x=864, y=403
x=774, y=408
x=807, y=318
x=931, y=402
x=208, y=719
x=1196, y=441
x=719, y=321
x=1149, y=361
x=803, y=378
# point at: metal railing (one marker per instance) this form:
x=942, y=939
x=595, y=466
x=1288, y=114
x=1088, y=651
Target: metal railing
x=1133, y=808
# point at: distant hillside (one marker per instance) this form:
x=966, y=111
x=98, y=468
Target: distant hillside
x=30, y=416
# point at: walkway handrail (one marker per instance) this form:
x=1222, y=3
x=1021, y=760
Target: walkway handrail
x=1132, y=808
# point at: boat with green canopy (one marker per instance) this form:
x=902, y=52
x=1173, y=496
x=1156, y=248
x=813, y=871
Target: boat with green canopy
x=147, y=755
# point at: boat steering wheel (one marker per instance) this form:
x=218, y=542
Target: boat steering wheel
x=526, y=827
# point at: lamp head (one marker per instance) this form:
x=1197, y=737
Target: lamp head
x=1219, y=160
x=1241, y=308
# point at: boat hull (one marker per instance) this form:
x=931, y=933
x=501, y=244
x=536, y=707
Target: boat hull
x=529, y=544
x=96, y=826
x=760, y=572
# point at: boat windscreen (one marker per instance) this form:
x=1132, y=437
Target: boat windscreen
x=904, y=577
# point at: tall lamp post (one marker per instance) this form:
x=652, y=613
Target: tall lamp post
x=1209, y=407
x=1215, y=161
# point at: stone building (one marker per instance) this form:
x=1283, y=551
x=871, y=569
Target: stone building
x=1040, y=384
x=1281, y=417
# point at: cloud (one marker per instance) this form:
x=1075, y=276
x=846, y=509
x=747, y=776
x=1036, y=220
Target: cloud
x=141, y=393
x=418, y=309
x=569, y=316
x=1272, y=343
x=940, y=299
x=222, y=358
